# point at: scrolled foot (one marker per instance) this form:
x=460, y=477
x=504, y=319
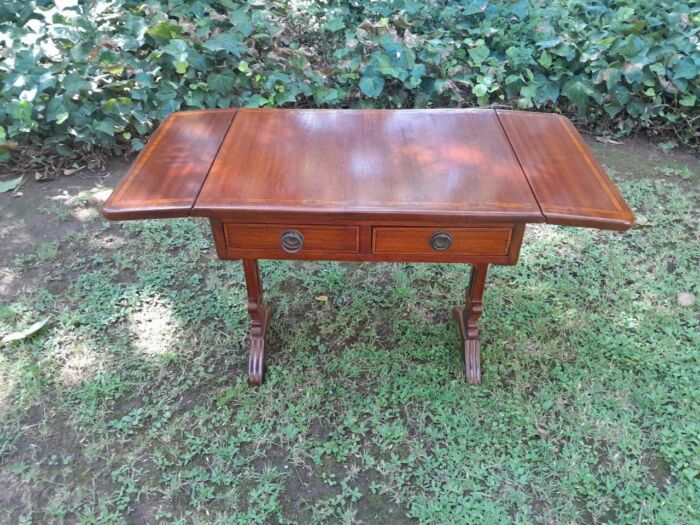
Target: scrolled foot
x=472, y=361
x=258, y=342
x=256, y=363
x=472, y=346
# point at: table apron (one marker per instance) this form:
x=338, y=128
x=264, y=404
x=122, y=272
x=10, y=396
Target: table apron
x=492, y=243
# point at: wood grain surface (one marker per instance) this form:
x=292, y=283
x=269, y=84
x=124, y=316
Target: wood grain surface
x=342, y=239
x=449, y=166
x=368, y=163
x=465, y=241
x=166, y=177
x=569, y=184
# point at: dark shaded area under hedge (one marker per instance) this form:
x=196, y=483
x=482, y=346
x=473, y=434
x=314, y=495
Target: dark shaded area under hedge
x=75, y=75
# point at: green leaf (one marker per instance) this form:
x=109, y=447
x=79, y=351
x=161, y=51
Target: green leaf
x=372, y=86
x=3, y=135
x=243, y=67
x=479, y=54
x=634, y=71
x=545, y=60
x=164, y=30
x=105, y=126
x=396, y=62
x=22, y=111
x=685, y=69
x=74, y=84
x=613, y=107
x=578, y=91
x=630, y=47
x=10, y=185
x=474, y=7
x=176, y=48
x=620, y=93
x=325, y=95
x=546, y=44
x=610, y=75
x=635, y=108
x=480, y=90
x=520, y=8
x=565, y=50
x=241, y=21
x=386, y=66
x=416, y=76
x=254, y=101
x=688, y=101
x=226, y=42
x=334, y=24
x=529, y=91
x=547, y=90
x=221, y=82
x=418, y=71
x=64, y=150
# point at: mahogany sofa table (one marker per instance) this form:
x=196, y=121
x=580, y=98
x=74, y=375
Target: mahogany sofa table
x=443, y=185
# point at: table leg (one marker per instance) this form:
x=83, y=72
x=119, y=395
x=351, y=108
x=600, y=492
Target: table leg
x=467, y=317
x=260, y=315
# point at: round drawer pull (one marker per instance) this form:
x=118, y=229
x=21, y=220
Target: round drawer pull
x=441, y=241
x=292, y=241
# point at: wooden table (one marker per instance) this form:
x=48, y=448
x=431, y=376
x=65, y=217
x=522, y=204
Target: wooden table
x=442, y=185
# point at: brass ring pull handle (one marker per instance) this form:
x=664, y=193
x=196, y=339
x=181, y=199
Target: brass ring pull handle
x=441, y=241
x=292, y=241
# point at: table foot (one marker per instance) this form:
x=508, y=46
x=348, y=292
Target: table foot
x=258, y=340
x=260, y=315
x=471, y=347
x=467, y=317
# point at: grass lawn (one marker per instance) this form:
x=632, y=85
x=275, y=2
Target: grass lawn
x=131, y=404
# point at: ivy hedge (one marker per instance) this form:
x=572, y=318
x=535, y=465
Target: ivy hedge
x=76, y=75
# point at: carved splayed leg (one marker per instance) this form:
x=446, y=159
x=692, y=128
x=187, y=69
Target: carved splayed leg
x=260, y=315
x=467, y=317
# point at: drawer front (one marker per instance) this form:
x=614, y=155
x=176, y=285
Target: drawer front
x=290, y=240
x=441, y=241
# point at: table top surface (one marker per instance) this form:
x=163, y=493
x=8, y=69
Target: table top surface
x=468, y=165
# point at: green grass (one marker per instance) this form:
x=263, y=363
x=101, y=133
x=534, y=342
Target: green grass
x=132, y=404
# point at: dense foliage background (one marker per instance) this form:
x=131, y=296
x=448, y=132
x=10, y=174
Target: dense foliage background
x=75, y=75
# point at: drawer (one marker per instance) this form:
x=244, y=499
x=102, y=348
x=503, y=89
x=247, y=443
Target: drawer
x=288, y=240
x=441, y=241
